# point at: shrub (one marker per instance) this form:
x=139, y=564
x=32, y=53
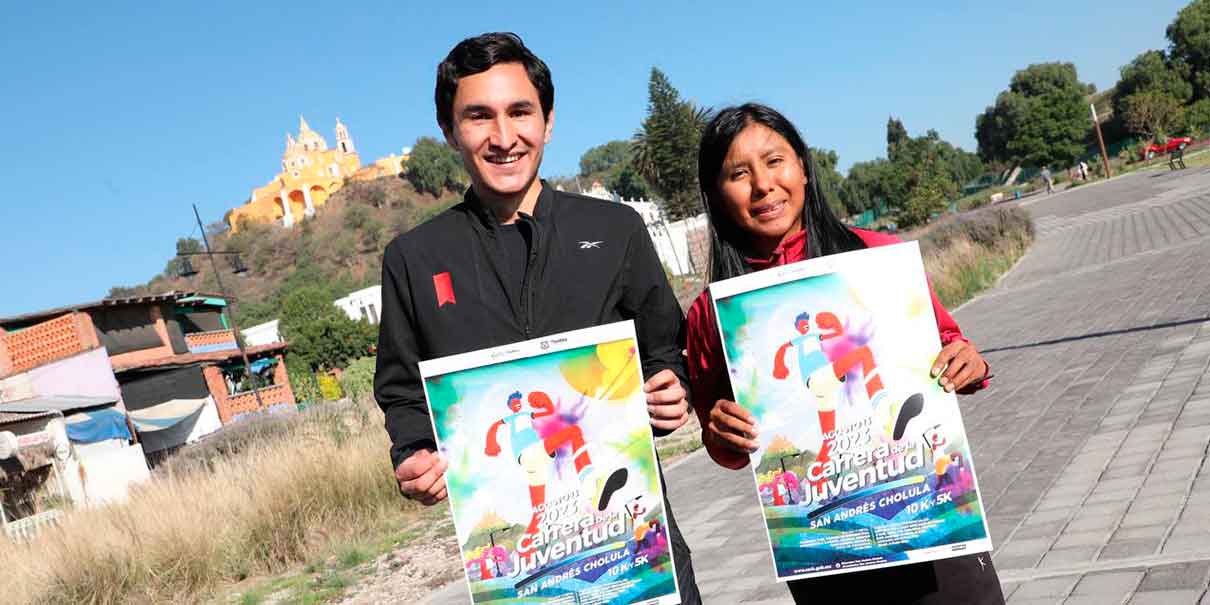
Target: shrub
x=329, y=387
x=967, y=255
x=358, y=379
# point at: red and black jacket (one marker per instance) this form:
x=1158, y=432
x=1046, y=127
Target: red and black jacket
x=446, y=291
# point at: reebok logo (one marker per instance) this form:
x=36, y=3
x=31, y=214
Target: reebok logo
x=586, y=245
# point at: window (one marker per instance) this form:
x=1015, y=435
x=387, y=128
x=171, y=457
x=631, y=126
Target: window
x=373, y=314
x=237, y=379
x=364, y=315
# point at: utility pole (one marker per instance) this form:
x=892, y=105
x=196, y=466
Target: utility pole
x=1100, y=139
x=260, y=405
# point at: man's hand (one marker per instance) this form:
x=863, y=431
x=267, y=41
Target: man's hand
x=666, y=402
x=422, y=477
x=958, y=364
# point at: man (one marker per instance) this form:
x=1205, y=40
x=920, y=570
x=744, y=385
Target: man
x=1050, y=182
x=515, y=260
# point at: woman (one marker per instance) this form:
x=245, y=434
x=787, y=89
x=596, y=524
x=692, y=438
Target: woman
x=766, y=209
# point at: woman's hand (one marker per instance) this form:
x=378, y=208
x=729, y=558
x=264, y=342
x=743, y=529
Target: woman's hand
x=730, y=434
x=959, y=364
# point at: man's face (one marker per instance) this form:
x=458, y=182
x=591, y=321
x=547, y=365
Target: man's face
x=499, y=129
x=514, y=404
x=803, y=326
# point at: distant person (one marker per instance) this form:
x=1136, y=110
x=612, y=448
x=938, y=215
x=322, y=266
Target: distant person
x=1050, y=180
x=766, y=209
x=1083, y=171
x=516, y=260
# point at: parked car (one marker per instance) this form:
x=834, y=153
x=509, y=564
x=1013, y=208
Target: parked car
x=1173, y=144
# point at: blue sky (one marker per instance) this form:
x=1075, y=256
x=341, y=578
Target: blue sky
x=118, y=116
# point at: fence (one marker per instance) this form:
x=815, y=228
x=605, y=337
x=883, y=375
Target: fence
x=25, y=529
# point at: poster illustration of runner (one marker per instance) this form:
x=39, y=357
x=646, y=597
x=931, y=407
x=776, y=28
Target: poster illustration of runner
x=552, y=471
x=863, y=459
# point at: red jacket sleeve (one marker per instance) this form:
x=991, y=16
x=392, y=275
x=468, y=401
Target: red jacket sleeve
x=707, y=367
x=708, y=373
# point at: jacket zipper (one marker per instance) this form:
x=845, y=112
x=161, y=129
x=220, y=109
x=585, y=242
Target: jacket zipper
x=527, y=302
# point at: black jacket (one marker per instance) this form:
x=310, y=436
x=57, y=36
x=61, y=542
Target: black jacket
x=591, y=262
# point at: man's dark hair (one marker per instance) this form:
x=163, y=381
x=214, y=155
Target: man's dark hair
x=825, y=233
x=481, y=53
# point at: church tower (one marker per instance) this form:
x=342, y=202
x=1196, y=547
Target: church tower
x=309, y=139
x=343, y=141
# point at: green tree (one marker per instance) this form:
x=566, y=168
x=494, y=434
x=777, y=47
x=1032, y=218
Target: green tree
x=1040, y=119
x=604, y=158
x=1153, y=70
x=896, y=134
x=830, y=179
x=125, y=291
x=1151, y=113
x=865, y=185
x=184, y=245
x=1189, y=34
x=626, y=181
x=665, y=147
x=920, y=176
x=929, y=196
x=1197, y=119
x=434, y=167
x=321, y=336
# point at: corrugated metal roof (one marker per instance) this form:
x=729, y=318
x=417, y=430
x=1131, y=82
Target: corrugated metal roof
x=54, y=403
x=7, y=418
x=184, y=359
x=108, y=302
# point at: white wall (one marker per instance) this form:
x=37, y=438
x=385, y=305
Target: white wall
x=261, y=334
x=108, y=474
x=363, y=304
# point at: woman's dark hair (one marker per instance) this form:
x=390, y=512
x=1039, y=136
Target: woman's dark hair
x=825, y=233
x=481, y=53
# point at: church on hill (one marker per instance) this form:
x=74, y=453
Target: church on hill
x=310, y=172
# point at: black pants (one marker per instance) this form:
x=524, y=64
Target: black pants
x=969, y=580
x=680, y=553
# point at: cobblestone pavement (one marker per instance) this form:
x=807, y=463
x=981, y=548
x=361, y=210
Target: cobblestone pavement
x=1091, y=444
x=1090, y=448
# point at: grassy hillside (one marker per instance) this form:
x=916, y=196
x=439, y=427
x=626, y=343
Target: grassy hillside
x=340, y=248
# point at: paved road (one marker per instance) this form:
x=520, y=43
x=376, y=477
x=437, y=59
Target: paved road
x=1090, y=447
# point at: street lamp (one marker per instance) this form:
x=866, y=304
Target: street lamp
x=187, y=269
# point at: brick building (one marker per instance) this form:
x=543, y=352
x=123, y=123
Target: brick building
x=173, y=355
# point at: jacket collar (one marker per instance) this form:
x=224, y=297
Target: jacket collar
x=791, y=249
x=542, y=208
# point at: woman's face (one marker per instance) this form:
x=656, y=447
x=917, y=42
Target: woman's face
x=762, y=187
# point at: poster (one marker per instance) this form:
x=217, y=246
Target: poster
x=552, y=473
x=863, y=460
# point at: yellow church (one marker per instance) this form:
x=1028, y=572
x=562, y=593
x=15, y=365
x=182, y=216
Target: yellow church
x=310, y=172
